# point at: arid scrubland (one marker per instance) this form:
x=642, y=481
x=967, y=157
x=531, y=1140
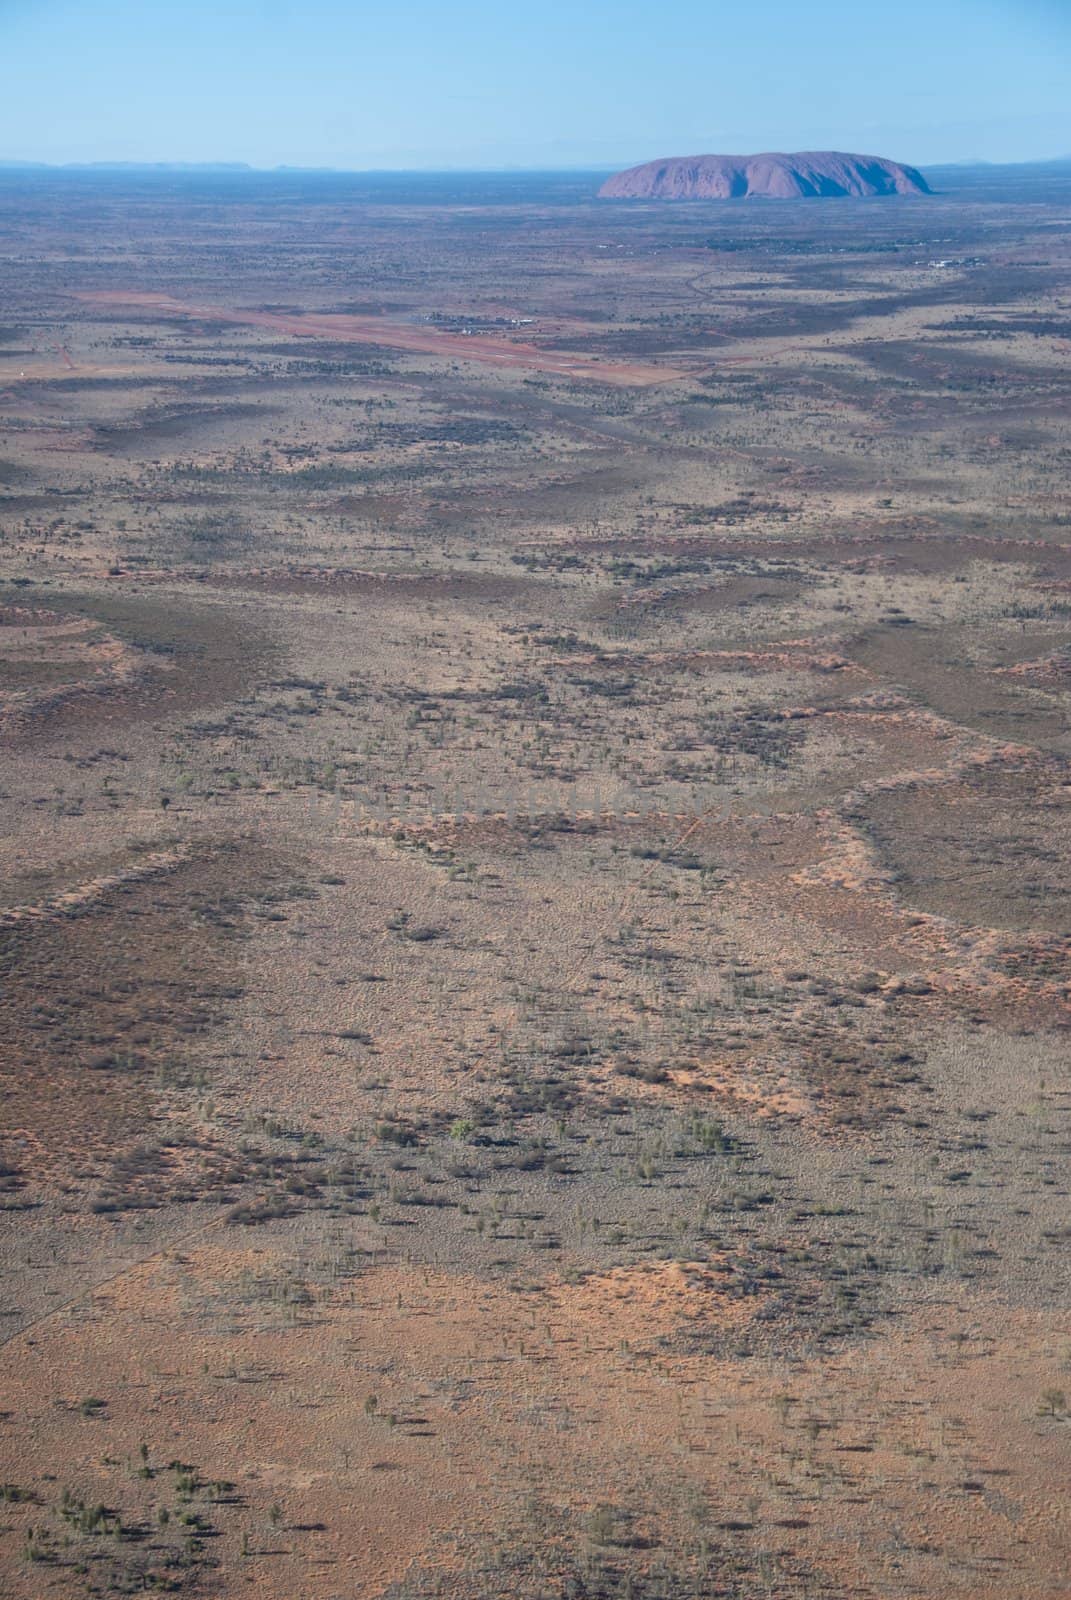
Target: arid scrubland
x=536, y=892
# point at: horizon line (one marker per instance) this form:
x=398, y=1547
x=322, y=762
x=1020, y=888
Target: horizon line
x=515, y=170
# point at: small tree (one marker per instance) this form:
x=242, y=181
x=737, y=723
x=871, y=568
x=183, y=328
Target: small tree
x=1053, y=1402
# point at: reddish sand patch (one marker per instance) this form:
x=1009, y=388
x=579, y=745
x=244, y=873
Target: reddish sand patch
x=384, y=1413
x=490, y=349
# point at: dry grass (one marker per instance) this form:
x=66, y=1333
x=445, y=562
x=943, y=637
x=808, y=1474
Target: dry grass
x=534, y=935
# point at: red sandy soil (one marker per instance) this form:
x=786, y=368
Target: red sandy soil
x=486, y=348
x=566, y=1390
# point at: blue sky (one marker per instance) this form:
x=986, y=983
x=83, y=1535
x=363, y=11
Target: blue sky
x=561, y=83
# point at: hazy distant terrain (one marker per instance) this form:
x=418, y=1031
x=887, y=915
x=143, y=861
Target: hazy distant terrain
x=535, y=957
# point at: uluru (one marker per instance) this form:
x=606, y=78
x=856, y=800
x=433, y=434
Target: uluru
x=813, y=174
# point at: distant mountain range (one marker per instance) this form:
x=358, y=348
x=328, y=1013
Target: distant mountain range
x=149, y=166
x=127, y=166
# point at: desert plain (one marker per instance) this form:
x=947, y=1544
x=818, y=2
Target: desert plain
x=536, y=890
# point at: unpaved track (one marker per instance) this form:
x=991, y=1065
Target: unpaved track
x=486, y=348
x=124, y=1271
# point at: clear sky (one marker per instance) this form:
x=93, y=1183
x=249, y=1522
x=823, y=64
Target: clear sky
x=547, y=83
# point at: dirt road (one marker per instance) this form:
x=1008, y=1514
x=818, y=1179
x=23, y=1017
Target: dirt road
x=490, y=349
